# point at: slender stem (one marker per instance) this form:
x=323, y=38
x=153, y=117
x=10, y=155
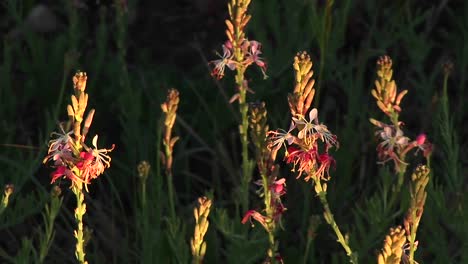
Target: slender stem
x=269, y=212
x=243, y=130
x=170, y=190
x=51, y=211
x=412, y=239
x=143, y=193
x=307, y=250
x=331, y=221
x=397, y=188
x=79, y=234
x=401, y=173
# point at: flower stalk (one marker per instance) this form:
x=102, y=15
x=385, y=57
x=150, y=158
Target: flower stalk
x=394, y=144
x=321, y=191
x=197, y=243
x=418, y=193
x=393, y=248
x=169, y=108
x=308, y=141
x=271, y=187
x=143, y=169
x=238, y=54
x=80, y=211
x=73, y=159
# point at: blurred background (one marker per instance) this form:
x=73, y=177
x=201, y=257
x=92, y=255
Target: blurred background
x=133, y=51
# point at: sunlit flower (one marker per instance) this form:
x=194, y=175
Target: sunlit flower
x=312, y=130
x=325, y=162
x=305, y=161
x=63, y=171
x=225, y=60
x=60, y=148
x=94, y=162
x=279, y=137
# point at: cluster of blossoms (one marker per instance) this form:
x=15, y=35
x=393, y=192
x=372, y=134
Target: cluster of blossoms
x=303, y=150
x=302, y=147
x=238, y=52
x=69, y=155
x=394, y=144
x=251, y=51
x=277, y=189
x=271, y=187
x=80, y=165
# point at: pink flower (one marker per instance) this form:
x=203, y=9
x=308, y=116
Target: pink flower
x=392, y=145
x=60, y=148
x=64, y=171
x=307, y=160
x=225, y=60
x=420, y=139
x=278, y=187
x=423, y=144
x=255, y=215
x=253, y=56
x=325, y=162
x=93, y=162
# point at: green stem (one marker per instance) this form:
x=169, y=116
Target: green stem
x=307, y=249
x=170, y=190
x=243, y=130
x=143, y=194
x=331, y=221
x=397, y=187
x=269, y=212
x=79, y=234
x=412, y=239
x=51, y=211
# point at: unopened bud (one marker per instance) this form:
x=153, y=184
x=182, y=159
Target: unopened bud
x=143, y=169
x=79, y=81
x=9, y=189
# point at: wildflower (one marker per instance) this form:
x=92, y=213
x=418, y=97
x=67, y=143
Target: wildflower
x=325, y=162
x=312, y=130
x=93, y=162
x=60, y=148
x=278, y=187
x=279, y=137
x=102, y=159
x=67, y=173
x=227, y=59
x=307, y=160
x=393, y=144
x=255, y=215
x=424, y=145
x=253, y=55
